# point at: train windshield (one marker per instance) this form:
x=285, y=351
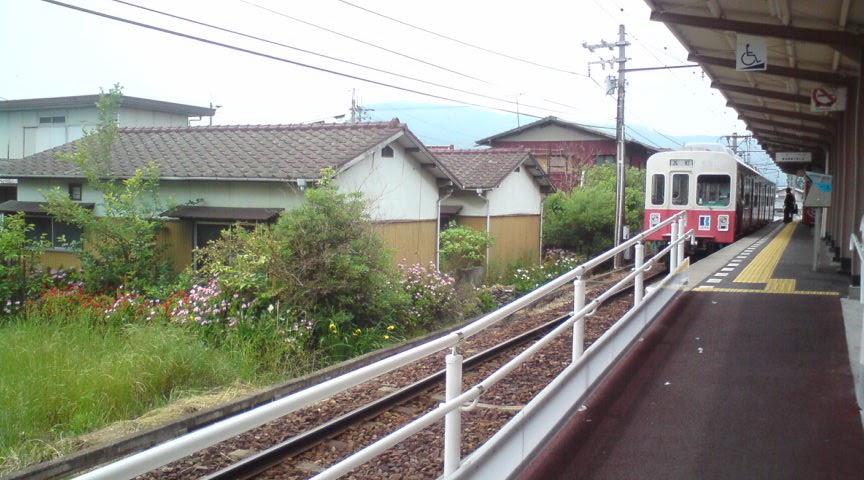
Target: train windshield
x=680, y=190
x=658, y=189
x=713, y=190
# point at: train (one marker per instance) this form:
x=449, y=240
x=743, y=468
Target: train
x=724, y=197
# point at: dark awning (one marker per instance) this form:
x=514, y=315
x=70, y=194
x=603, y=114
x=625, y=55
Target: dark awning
x=232, y=214
x=450, y=209
x=32, y=208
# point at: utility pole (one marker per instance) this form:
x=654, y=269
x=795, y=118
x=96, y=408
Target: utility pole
x=621, y=179
x=358, y=112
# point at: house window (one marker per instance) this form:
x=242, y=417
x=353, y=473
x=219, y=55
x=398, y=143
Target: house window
x=604, y=160
x=54, y=119
x=59, y=234
x=210, y=232
x=387, y=152
x=75, y=191
x=557, y=165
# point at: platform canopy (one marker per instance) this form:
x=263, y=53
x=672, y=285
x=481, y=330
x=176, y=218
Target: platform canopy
x=812, y=60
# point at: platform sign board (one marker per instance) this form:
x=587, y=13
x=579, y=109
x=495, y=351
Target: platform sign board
x=820, y=190
x=793, y=157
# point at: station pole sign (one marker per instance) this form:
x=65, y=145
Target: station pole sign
x=820, y=190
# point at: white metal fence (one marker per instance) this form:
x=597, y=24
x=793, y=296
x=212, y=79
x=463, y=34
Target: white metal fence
x=456, y=400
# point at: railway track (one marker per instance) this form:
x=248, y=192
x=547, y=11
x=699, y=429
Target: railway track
x=297, y=453
x=323, y=433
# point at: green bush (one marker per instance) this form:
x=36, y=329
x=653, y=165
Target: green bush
x=463, y=247
x=583, y=220
x=433, y=299
x=556, y=262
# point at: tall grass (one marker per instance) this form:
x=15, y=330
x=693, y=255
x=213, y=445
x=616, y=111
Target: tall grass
x=60, y=379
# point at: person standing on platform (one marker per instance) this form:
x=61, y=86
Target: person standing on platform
x=788, y=206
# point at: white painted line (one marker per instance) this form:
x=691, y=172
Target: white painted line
x=714, y=280
x=721, y=274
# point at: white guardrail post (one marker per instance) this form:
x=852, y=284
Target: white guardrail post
x=453, y=419
x=673, y=253
x=639, y=281
x=680, y=249
x=578, y=325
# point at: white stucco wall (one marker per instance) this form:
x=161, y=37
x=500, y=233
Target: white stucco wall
x=396, y=188
x=518, y=194
x=212, y=194
x=21, y=134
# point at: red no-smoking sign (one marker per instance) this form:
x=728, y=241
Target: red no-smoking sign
x=823, y=97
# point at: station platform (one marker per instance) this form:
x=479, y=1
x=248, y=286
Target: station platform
x=750, y=373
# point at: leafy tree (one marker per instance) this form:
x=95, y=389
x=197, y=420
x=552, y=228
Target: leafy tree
x=19, y=253
x=119, y=246
x=583, y=220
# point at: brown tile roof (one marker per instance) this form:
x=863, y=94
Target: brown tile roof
x=263, y=152
x=486, y=169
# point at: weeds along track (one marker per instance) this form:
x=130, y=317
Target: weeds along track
x=301, y=444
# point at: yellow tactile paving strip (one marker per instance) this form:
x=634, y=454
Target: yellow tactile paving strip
x=761, y=270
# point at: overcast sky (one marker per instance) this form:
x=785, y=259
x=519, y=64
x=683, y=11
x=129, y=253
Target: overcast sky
x=507, y=56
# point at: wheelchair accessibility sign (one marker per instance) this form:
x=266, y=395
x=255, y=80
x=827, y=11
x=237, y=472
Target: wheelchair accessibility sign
x=751, y=54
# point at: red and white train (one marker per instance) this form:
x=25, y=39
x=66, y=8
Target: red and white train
x=724, y=197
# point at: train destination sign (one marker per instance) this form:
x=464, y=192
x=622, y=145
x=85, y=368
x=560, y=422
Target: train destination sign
x=793, y=157
x=819, y=194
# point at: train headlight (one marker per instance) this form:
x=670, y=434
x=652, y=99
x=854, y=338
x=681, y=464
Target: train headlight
x=723, y=223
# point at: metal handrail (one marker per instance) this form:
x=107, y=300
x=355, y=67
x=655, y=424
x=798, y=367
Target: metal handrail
x=856, y=246
x=190, y=443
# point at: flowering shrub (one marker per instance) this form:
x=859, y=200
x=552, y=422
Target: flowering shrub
x=432, y=294
x=557, y=262
x=67, y=304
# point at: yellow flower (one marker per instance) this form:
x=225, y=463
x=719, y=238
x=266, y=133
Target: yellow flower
x=391, y=328
x=386, y=337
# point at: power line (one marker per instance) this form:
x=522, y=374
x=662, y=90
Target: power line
x=285, y=60
x=362, y=41
x=272, y=42
x=529, y=62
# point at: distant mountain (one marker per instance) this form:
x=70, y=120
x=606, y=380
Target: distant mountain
x=461, y=126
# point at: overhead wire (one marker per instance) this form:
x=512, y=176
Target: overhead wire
x=461, y=42
x=272, y=42
x=286, y=60
x=334, y=32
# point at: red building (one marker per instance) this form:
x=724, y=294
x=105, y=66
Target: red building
x=566, y=149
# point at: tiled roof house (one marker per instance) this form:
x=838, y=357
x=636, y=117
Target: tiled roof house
x=565, y=149
x=500, y=191
x=251, y=173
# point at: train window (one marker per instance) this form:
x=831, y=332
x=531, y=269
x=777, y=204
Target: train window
x=680, y=184
x=658, y=189
x=713, y=190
